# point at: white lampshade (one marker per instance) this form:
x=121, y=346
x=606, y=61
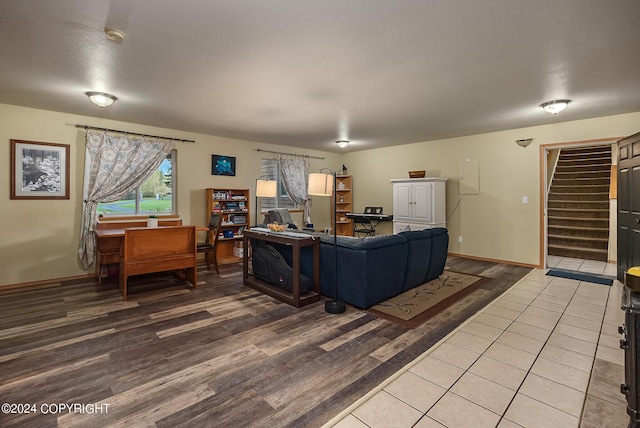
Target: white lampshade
x=320, y=184
x=266, y=188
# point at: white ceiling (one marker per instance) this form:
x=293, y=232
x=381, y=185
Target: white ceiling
x=306, y=73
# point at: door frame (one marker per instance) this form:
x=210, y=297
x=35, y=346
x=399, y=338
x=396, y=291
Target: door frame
x=543, y=151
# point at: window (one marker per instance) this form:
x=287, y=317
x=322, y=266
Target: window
x=269, y=168
x=156, y=196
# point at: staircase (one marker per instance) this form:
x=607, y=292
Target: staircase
x=578, y=204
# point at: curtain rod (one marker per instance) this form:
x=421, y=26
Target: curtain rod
x=86, y=127
x=292, y=154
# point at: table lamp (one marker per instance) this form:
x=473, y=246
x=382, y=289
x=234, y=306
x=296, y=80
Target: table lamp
x=321, y=184
x=265, y=188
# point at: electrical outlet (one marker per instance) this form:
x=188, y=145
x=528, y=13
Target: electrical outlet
x=459, y=238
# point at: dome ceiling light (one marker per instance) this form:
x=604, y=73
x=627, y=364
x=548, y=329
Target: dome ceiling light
x=555, y=106
x=114, y=34
x=101, y=99
x=342, y=143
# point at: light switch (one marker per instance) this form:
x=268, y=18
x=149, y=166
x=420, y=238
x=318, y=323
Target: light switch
x=525, y=199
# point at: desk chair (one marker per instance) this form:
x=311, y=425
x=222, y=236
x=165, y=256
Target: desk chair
x=362, y=226
x=209, y=247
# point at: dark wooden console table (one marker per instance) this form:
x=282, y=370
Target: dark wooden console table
x=296, y=243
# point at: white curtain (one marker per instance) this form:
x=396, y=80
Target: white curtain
x=295, y=177
x=115, y=165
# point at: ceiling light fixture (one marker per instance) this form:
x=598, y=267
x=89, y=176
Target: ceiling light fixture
x=114, y=35
x=342, y=143
x=555, y=106
x=101, y=99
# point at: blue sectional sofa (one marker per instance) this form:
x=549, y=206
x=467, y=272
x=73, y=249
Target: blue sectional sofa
x=376, y=268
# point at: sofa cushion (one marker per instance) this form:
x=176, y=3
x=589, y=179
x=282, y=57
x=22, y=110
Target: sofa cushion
x=367, y=243
x=370, y=269
x=418, y=257
x=439, y=250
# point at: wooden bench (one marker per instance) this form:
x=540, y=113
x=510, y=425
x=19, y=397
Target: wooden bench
x=108, y=248
x=149, y=250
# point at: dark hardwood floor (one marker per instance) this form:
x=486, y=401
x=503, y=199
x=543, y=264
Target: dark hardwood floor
x=219, y=355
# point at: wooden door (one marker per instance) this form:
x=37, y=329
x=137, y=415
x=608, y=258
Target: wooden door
x=628, y=204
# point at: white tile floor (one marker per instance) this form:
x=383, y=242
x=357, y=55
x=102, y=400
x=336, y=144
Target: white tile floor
x=523, y=361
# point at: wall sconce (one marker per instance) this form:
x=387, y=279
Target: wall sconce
x=265, y=189
x=555, y=106
x=101, y=99
x=525, y=142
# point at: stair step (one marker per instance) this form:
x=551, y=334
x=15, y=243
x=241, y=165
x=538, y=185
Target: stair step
x=593, y=160
x=583, y=232
x=587, y=188
x=586, y=168
x=587, y=181
x=577, y=221
x=566, y=196
x=583, y=151
x=578, y=253
x=606, y=174
x=585, y=205
x=579, y=160
x=578, y=213
x=578, y=241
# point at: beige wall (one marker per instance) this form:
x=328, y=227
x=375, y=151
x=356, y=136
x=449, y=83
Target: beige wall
x=39, y=239
x=494, y=224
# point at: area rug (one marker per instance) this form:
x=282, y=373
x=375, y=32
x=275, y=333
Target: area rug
x=415, y=306
x=581, y=276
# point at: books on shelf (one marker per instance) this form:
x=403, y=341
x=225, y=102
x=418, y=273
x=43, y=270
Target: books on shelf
x=228, y=196
x=238, y=219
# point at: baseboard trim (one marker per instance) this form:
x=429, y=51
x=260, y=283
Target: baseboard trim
x=49, y=281
x=506, y=262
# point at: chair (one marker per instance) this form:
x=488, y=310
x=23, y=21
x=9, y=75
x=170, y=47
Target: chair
x=209, y=247
x=362, y=226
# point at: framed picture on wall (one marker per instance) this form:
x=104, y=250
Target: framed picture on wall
x=39, y=170
x=223, y=165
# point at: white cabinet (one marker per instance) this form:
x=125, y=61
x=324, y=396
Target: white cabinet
x=419, y=203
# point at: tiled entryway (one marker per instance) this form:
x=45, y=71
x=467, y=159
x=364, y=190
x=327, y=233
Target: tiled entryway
x=545, y=354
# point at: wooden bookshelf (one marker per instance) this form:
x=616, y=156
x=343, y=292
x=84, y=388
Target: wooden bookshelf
x=344, y=205
x=234, y=206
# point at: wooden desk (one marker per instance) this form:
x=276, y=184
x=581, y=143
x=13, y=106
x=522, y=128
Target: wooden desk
x=294, y=298
x=158, y=249
x=109, y=244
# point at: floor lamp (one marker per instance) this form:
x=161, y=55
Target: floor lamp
x=321, y=184
x=265, y=188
